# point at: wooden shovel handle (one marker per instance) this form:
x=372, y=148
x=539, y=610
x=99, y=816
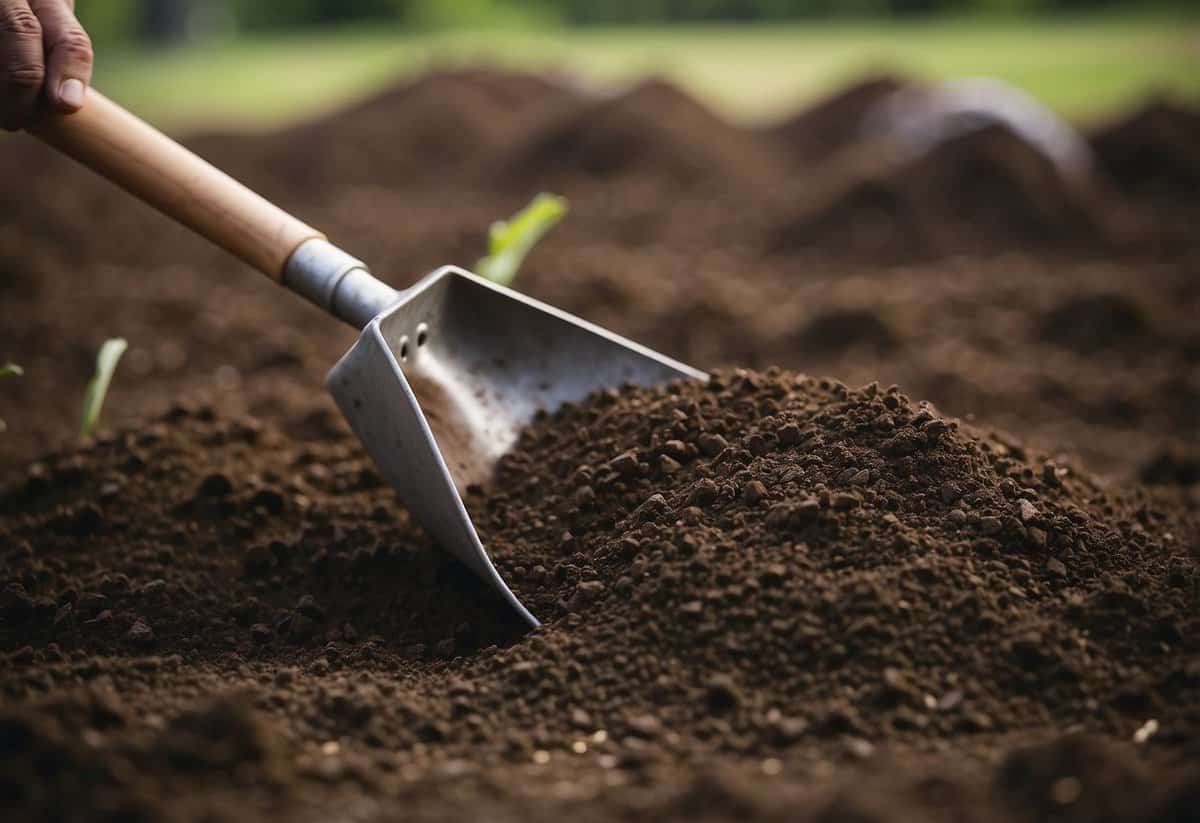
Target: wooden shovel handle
x=154, y=168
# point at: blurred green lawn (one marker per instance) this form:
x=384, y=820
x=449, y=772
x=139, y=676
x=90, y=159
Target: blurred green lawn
x=1084, y=68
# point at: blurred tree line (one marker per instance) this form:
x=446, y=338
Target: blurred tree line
x=165, y=20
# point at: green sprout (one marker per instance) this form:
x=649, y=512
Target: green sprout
x=9, y=370
x=93, y=399
x=509, y=241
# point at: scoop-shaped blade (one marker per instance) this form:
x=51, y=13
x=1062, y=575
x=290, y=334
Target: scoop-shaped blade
x=439, y=386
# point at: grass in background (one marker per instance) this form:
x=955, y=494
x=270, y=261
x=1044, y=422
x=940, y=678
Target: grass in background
x=1083, y=68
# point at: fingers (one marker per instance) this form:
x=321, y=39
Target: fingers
x=68, y=53
x=22, y=67
x=43, y=50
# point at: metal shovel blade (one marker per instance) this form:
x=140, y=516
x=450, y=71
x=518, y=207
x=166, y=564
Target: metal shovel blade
x=439, y=386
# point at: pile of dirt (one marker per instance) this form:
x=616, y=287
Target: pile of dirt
x=789, y=575
x=981, y=192
x=811, y=136
x=192, y=543
x=1168, y=467
x=776, y=556
x=436, y=126
x=440, y=122
x=1154, y=150
x=1152, y=156
x=652, y=132
x=79, y=757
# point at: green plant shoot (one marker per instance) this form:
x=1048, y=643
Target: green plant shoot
x=9, y=370
x=509, y=241
x=93, y=399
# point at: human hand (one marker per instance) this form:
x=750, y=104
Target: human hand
x=45, y=56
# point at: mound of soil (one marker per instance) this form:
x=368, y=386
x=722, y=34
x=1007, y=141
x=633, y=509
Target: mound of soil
x=811, y=136
x=871, y=218
x=788, y=575
x=1094, y=321
x=651, y=132
x=437, y=126
x=1155, y=150
x=769, y=546
x=1170, y=467
x=160, y=510
x=440, y=122
x=985, y=191
x=840, y=330
x=1153, y=157
x=59, y=764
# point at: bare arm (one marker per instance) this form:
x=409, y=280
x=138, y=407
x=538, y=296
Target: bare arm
x=45, y=58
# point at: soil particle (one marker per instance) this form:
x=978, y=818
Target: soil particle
x=214, y=485
x=140, y=633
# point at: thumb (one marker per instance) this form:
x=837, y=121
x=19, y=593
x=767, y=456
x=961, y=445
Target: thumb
x=68, y=54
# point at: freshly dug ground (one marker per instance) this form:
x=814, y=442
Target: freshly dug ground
x=769, y=596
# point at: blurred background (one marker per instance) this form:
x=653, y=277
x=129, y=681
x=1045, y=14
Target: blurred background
x=248, y=64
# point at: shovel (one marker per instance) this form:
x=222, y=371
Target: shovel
x=444, y=375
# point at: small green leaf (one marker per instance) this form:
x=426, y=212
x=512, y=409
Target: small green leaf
x=93, y=398
x=509, y=241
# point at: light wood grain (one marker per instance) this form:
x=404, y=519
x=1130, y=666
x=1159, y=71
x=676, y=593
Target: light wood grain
x=154, y=168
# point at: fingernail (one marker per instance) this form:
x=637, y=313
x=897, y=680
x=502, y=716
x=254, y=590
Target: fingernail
x=70, y=93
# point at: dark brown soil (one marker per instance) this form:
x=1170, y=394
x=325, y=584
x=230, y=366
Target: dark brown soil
x=1153, y=156
x=651, y=133
x=813, y=135
x=988, y=191
x=1154, y=149
x=768, y=597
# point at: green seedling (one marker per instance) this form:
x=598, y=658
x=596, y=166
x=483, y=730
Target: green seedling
x=93, y=399
x=509, y=241
x=9, y=370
